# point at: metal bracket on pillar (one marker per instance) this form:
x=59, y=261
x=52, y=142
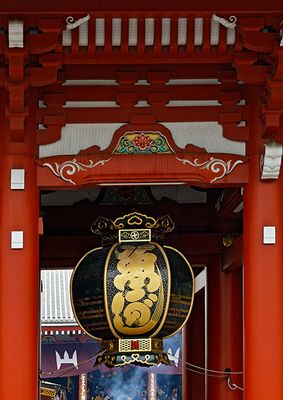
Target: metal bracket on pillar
x=17, y=240
x=269, y=235
x=271, y=160
x=16, y=33
x=17, y=179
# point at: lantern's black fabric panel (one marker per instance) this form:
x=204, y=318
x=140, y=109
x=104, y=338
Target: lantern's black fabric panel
x=181, y=292
x=88, y=294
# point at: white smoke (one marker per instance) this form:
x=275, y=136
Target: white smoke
x=120, y=384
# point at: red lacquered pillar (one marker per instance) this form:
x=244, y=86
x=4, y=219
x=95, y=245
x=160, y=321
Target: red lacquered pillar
x=19, y=279
x=225, y=329
x=193, y=351
x=263, y=275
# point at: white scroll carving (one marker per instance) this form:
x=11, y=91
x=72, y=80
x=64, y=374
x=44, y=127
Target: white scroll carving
x=271, y=160
x=72, y=24
x=215, y=165
x=16, y=34
x=71, y=167
x=230, y=24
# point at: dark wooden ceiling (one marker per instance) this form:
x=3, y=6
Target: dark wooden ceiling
x=199, y=227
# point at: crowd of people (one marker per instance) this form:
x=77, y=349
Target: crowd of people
x=160, y=395
x=117, y=384
x=121, y=384
x=131, y=384
x=166, y=392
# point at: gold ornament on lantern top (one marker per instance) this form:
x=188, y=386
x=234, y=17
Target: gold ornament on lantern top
x=133, y=291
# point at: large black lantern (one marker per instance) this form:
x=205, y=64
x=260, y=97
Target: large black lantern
x=133, y=291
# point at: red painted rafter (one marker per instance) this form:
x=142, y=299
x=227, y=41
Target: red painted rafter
x=248, y=6
x=37, y=11
x=157, y=94
x=253, y=66
x=174, y=92
x=189, y=57
x=162, y=113
x=203, y=71
x=249, y=36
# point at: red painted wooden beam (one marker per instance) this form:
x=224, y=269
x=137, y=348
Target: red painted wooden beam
x=175, y=92
x=110, y=169
x=27, y=6
x=162, y=113
x=112, y=58
x=204, y=71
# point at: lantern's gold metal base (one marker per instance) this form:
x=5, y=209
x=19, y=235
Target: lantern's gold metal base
x=132, y=345
x=145, y=352
x=112, y=360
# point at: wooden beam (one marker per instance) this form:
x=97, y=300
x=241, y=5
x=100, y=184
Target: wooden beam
x=232, y=257
x=195, y=260
x=66, y=6
x=176, y=71
x=231, y=200
x=225, y=57
x=123, y=114
x=77, y=219
x=80, y=216
x=111, y=169
x=57, y=250
x=110, y=93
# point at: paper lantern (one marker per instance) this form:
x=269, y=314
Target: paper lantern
x=133, y=291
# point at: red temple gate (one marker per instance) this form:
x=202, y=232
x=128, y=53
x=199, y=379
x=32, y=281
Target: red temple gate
x=145, y=95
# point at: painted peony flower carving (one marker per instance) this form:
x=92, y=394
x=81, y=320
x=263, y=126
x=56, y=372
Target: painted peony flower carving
x=142, y=142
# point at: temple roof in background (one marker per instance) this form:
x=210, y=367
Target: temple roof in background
x=56, y=309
